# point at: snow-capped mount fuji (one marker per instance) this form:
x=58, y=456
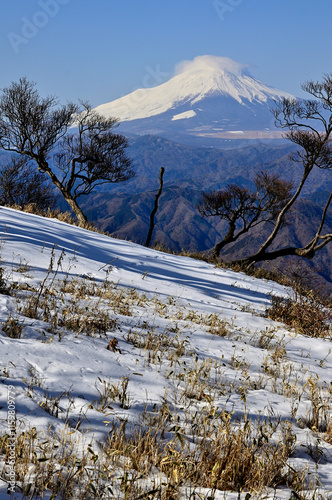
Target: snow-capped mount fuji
x=209, y=98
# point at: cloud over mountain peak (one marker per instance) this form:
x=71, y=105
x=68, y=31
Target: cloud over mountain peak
x=209, y=64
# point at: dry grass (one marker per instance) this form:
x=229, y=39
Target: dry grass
x=189, y=443
x=305, y=313
x=155, y=459
x=112, y=392
x=83, y=307
x=52, y=463
x=12, y=328
x=319, y=418
x=158, y=345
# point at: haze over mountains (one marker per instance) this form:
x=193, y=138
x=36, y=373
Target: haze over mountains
x=210, y=101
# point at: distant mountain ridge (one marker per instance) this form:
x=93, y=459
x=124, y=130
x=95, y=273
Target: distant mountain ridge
x=210, y=99
x=124, y=210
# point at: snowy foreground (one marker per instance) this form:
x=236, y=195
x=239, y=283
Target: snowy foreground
x=220, y=355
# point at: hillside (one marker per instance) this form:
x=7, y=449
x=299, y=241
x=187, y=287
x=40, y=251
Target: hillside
x=138, y=374
x=124, y=210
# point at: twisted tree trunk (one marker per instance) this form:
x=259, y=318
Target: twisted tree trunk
x=155, y=208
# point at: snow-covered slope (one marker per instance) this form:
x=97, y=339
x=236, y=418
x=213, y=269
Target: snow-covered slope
x=56, y=374
x=207, y=95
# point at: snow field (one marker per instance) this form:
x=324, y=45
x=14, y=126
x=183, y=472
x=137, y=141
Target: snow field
x=103, y=339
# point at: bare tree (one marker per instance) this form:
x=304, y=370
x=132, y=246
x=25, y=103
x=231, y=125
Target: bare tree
x=244, y=209
x=155, y=208
x=310, y=127
x=20, y=185
x=89, y=155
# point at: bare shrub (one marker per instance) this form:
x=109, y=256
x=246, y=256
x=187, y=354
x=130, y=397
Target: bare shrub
x=13, y=328
x=305, y=313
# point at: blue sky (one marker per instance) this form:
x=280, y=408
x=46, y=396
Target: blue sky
x=100, y=50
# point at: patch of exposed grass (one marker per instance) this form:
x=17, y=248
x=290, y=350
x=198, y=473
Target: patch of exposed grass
x=305, y=313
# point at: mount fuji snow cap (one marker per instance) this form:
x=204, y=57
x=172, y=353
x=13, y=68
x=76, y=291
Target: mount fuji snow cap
x=204, y=77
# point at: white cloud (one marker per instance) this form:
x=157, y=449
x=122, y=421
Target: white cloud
x=204, y=63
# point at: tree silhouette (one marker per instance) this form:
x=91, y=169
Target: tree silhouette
x=76, y=160
x=243, y=208
x=310, y=127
